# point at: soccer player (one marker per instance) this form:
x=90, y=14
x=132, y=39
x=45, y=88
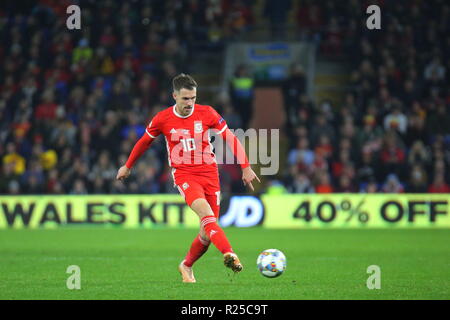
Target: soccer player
x=185, y=127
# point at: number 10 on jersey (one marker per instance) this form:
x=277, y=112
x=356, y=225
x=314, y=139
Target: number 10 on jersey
x=188, y=144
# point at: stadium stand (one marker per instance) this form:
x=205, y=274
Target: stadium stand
x=72, y=104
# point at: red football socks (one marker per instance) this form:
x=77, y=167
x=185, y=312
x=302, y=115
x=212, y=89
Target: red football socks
x=198, y=248
x=216, y=234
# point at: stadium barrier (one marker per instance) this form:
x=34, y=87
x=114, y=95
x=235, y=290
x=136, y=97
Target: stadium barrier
x=299, y=211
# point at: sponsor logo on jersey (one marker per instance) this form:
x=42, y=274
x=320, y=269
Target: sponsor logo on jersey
x=185, y=131
x=173, y=131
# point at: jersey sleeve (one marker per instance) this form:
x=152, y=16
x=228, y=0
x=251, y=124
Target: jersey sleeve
x=217, y=122
x=236, y=147
x=154, y=127
x=139, y=148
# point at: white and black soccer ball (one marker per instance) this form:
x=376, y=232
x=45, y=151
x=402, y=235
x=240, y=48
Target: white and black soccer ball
x=271, y=263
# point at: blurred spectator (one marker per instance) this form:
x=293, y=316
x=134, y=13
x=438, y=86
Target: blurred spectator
x=103, y=169
x=333, y=38
x=439, y=185
x=232, y=118
x=369, y=187
x=82, y=53
x=416, y=130
x=323, y=184
x=345, y=185
x=102, y=63
x=293, y=87
x=324, y=147
x=396, y=121
x=438, y=121
x=15, y=159
x=367, y=169
x=321, y=128
x=302, y=157
x=418, y=181
x=276, y=12
x=369, y=136
x=47, y=109
x=418, y=154
x=337, y=165
x=79, y=187
x=434, y=70
x=7, y=177
x=310, y=19
x=241, y=92
x=239, y=17
x=392, y=185
x=14, y=187
x=392, y=155
x=301, y=184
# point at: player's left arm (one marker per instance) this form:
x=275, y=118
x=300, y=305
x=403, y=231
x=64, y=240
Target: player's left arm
x=219, y=124
x=248, y=175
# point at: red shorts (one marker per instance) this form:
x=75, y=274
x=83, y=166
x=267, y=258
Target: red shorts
x=192, y=187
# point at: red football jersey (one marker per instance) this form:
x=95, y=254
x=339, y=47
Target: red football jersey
x=188, y=140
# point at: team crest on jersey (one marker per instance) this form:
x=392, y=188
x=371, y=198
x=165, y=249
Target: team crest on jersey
x=198, y=127
x=185, y=186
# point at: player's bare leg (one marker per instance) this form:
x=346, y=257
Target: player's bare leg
x=211, y=230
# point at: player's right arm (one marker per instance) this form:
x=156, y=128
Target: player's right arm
x=151, y=132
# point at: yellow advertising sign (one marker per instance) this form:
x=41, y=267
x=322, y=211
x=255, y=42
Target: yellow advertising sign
x=114, y=210
x=357, y=210
x=270, y=211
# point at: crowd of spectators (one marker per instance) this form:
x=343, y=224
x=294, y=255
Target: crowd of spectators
x=392, y=133
x=73, y=102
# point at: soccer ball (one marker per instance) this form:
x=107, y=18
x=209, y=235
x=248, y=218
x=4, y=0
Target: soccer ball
x=271, y=263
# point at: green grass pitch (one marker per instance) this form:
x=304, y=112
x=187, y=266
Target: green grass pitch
x=142, y=264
